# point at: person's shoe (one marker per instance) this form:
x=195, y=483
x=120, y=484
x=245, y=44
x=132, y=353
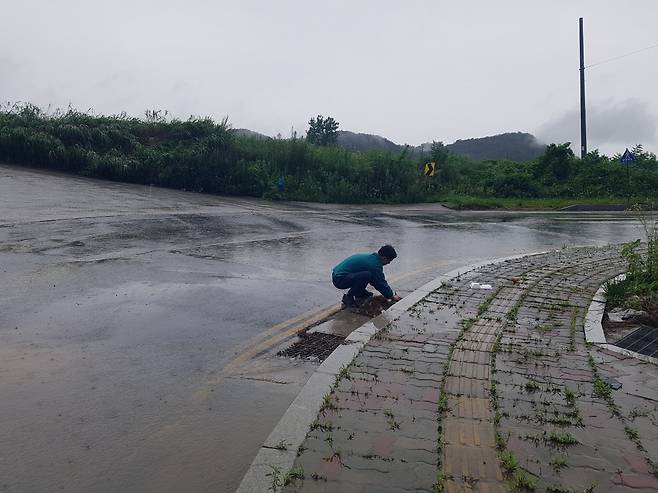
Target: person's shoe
x=364, y=296
x=349, y=301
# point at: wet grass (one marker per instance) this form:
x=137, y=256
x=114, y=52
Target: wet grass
x=316, y=425
x=484, y=306
x=390, y=420
x=509, y=462
x=601, y=388
x=634, y=436
x=558, y=488
x=328, y=403
x=466, y=202
x=558, y=463
x=553, y=438
x=570, y=397
x=531, y=386
x=439, y=485
x=518, y=479
x=280, y=480
x=561, y=438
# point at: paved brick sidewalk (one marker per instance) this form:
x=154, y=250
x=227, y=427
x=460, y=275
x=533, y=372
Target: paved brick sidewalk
x=474, y=390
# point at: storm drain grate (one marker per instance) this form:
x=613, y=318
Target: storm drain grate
x=313, y=345
x=644, y=341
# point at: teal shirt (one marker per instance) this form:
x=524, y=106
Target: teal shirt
x=366, y=262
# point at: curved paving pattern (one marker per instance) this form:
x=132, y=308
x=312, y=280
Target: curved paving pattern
x=490, y=391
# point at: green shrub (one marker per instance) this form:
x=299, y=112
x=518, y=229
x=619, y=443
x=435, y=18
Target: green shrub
x=202, y=155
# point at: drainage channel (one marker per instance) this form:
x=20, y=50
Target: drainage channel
x=643, y=340
x=316, y=342
x=313, y=346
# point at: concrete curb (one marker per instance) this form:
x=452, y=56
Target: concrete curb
x=278, y=453
x=594, y=327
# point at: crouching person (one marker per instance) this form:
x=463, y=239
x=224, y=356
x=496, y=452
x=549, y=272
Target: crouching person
x=359, y=270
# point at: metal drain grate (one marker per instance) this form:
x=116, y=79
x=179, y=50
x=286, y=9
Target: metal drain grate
x=313, y=345
x=644, y=341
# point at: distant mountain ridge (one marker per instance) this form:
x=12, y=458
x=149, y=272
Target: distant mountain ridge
x=366, y=142
x=516, y=146
x=513, y=146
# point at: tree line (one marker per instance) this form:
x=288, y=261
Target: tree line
x=202, y=155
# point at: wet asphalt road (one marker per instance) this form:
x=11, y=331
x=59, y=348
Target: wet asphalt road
x=121, y=307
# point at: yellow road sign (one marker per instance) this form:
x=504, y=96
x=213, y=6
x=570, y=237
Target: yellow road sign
x=430, y=168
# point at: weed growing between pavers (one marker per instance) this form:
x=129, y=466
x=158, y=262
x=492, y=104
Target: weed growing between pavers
x=328, y=403
x=637, y=412
x=293, y=475
x=543, y=329
x=572, y=332
x=601, y=388
x=316, y=477
x=532, y=354
x=280, y=480
x=558, y=463
x=518, y=478
x=390, y=420
x=277, y=478
x=442, y=408
x=440, y=485
x=509, y=461
x=553, y=438
x=343, y=374
x=484, y=306
x=531, y=386
x=570, y=397
x=282, y=445
x=558, y=488
x=316, y=425
x=633, y=436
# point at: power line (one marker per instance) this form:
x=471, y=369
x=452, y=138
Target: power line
x=622, y=56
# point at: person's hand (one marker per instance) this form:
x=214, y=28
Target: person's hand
x=396, y=297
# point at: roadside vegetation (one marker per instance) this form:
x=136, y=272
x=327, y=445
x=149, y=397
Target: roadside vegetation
x=206, y=156
x=639, y=289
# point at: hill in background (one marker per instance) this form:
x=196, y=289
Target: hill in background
x=515, y=146
x=366, y=142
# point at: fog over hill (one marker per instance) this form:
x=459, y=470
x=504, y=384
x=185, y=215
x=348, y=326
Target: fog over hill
x=515, y=146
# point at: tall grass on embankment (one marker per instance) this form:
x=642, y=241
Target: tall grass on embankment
x=202, y=155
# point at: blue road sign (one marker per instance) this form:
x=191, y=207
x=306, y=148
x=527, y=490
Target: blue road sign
x=627, y=158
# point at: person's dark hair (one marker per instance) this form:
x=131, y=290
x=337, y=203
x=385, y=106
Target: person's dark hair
x=387, y=251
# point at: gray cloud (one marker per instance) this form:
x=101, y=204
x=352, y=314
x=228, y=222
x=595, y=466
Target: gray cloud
x=611, y=126
x=412, y=71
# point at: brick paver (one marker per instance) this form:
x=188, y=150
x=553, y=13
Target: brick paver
x=488, y=391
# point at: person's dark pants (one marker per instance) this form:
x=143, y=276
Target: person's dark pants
x=356, y=283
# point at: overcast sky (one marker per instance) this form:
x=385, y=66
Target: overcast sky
x=410, y=70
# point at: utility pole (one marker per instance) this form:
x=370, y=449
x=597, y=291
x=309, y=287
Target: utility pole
x=583, y=123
